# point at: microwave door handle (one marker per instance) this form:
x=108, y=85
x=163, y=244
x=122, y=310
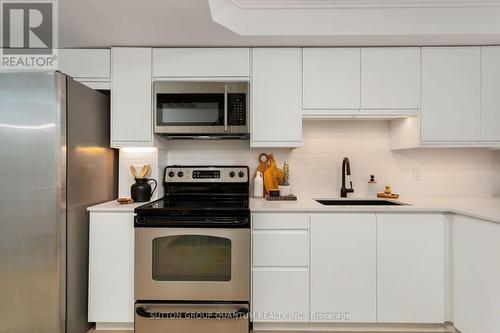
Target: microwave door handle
x=226, y=128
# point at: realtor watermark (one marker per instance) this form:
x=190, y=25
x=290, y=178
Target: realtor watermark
x=29, y=35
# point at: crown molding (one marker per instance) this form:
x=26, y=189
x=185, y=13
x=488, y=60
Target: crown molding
x=361, y=4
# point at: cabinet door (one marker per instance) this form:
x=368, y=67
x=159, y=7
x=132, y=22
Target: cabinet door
x=343, y=266
x=85, y=63
x=390, y=78
x=280, y=294
x=276, y=112
x=490, y=94
x=131, y=95
x=331, y=78
x=201, y=62
x=410, y=268
x=476, y=275
x=111, y=267
x=451, y=101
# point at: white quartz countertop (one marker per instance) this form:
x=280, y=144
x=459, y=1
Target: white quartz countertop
x=482, y=208
x=114, y=206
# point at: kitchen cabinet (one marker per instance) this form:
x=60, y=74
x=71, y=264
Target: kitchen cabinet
x=476, y=273
x=490, y=94
x=451, y=94
x=331, y=80
x=280, y=294
x=111, y=268
x=390, y=80
x=131, y=95
x=410, y=268
x=201, y=62
x=280, y=267
x=91, y=67
x=343, y=266
x=276, y=115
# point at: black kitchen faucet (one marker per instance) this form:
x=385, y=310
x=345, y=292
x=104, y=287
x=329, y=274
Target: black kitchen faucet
x=346, y=169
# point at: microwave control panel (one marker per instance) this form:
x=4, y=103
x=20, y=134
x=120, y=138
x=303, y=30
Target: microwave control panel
x=237, y=109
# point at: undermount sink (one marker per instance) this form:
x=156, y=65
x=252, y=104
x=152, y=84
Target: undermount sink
x=359, y=202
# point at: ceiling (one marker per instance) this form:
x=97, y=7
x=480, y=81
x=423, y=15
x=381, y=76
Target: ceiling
x=105, y=23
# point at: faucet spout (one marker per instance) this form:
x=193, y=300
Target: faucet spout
x=346, y=170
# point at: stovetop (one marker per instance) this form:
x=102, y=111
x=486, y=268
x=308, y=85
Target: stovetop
x=201, y=196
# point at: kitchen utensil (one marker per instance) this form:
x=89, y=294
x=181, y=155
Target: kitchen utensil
x=270, y=182
x=263, y=163
x=134, y=172
x=144, y=171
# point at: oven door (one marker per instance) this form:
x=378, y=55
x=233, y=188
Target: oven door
x=175, y=264
x=191, y=318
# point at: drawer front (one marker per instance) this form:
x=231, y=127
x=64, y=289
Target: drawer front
x=280, y=248
x=278, y=221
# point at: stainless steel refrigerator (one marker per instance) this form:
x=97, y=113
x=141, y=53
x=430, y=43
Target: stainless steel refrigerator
x=55, y=161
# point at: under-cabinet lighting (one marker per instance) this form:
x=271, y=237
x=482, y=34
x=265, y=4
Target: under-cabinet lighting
x=138, y=150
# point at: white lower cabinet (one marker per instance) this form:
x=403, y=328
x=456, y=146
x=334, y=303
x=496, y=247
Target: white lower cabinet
x=280, y=294
x=280, y=267
x=343, y=267
x=410, y=268
x=476, y=275
x=111, y=268
x=363, y=267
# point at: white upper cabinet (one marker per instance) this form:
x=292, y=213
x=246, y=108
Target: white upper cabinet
x=343, y=266
x=451, y=94
x=390, y=79
x=91, y=67
x=276, y=116
x=490, y=94
x=331, y=80
x=131, y=95
x=201, y=62
x=410, y=268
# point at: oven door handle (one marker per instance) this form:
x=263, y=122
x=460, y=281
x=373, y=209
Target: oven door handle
x=142, y=312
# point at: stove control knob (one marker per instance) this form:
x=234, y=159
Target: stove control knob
x=241, y=174
x=231, y=174
x=180, y=173
x=171, y=174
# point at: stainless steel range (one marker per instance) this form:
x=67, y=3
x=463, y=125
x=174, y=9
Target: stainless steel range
x=192, y=253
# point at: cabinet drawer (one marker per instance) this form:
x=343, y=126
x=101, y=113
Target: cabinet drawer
x=280, y=248
x=280, y=221
x=280, y=295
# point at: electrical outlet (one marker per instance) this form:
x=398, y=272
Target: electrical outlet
x=416, y=174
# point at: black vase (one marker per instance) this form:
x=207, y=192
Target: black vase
x=141, y=190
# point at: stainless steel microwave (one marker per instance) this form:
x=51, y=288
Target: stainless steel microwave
x=191, y=109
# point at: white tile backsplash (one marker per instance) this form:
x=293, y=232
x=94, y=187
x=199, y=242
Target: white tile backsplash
x=136, y=157
x=315, y=168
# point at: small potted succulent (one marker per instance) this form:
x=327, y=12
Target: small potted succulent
x=284, y=186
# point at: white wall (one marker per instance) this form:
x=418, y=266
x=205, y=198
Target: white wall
x=315, y=168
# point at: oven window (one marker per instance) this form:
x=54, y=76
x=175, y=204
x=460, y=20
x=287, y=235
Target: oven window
x=191, y=258
x=190, y=109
